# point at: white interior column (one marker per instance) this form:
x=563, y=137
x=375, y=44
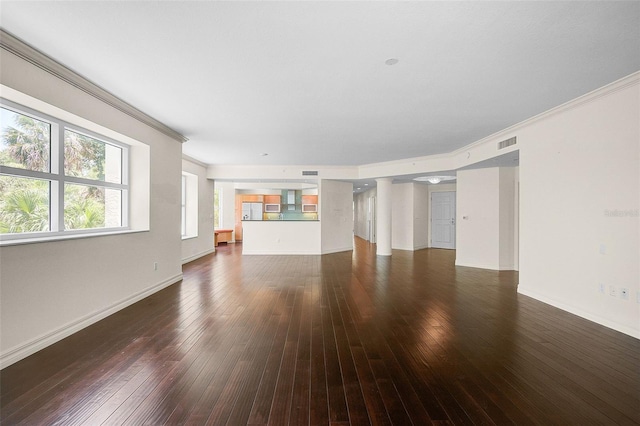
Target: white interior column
x=383, y=217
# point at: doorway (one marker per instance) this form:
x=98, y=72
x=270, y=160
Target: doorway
x=443, y=220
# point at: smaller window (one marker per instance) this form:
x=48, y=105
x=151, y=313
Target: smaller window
x=217, y=209
x=189, y=205
x=184, y=206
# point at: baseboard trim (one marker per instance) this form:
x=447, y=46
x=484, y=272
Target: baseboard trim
x=476, y=265
x=15, y=354
x=481, y=266
x=337, y=250
x=279, y=253
x=579, y=312
x=198, y=256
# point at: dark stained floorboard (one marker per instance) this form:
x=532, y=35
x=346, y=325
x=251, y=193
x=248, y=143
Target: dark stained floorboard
x=345, y=338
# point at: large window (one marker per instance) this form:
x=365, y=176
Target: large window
x=58, y=179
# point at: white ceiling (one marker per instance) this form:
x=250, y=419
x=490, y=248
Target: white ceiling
x=306, y=82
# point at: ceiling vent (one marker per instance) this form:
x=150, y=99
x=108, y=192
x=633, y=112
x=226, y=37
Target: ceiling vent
x=309, y=173
x=506, y=143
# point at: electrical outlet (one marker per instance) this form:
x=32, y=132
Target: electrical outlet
x=624, y=293
x=638, y=296
x=155, y=266
x=601, y=288
x=603, y=249
x=612, y=291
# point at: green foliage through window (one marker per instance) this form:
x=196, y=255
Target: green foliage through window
x=27, y=200
x=25, y=142
x=24, y=205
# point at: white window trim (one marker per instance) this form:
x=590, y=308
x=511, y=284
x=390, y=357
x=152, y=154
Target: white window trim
x=191, y=205
x=220, y=209
x=57, y=178
x=183, y=206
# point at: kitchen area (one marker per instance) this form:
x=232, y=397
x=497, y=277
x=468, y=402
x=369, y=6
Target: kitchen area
x=278, y=220
x=290, y=204
x=292, y=217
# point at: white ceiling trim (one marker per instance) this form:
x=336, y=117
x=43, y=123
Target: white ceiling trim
x=606, y=90
x=30, y=54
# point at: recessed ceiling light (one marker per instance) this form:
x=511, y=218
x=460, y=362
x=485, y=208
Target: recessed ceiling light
x=264, y=154
x=391, y=61
x=366, y=184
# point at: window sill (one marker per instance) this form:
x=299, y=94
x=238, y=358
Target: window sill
x=189, y=237
x=54, y=238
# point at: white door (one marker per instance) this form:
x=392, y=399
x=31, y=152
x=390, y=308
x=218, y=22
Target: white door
x=443, y=220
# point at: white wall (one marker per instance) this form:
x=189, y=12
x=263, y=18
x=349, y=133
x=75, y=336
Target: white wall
x=506, y=211
x=577, y=166
x=228, y=192
x=516, y=219
x=336, y=215
x=277, y=237
x=421, y=213
x=402, y=213
x=477, y=218
x=202, y=244
x=485, y=218
x=50, y=290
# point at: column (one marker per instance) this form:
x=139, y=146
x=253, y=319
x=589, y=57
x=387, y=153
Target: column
x=383, y=217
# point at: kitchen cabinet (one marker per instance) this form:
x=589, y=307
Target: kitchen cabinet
x=272, y=199
x=309, y=199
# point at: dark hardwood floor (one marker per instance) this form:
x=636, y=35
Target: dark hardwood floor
x=347, y=338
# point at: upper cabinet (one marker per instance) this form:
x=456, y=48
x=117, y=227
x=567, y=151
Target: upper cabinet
x=309, y=199
x=272, y=199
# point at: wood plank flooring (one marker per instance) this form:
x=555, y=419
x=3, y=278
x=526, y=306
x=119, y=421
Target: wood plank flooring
x=346, y=338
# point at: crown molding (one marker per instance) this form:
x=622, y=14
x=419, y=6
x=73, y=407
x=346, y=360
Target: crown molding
x=194, y=161
x=30, y=54
x=632, y=79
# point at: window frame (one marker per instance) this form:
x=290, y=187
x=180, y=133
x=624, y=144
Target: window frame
x=183, y=209
x=57, y=179
x=217, y=212
x=190, y=210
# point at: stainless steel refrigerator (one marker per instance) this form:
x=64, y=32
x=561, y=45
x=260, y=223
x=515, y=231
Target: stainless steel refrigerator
x=251, y=211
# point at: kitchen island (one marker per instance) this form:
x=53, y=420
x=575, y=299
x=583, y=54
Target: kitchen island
x=281, y=237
